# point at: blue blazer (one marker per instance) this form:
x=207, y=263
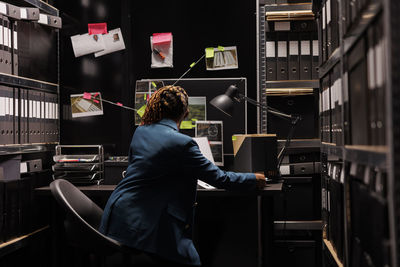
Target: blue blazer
x=152, y=208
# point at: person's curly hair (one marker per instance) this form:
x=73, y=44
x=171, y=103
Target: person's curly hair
x=167, y=102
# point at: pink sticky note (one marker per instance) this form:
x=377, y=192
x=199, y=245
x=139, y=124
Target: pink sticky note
x=87, y=95
x=119, y=104
x=97, y=28
x=95, y=101
x=162, y=38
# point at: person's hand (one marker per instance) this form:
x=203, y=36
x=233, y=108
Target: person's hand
x=260, y=180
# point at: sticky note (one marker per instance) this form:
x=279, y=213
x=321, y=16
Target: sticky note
x=97, y=28
x=186, y=125
x=221, y=48
x=87, y=95
x=141, y=110
x=154, y=84
x=119, y=104
x=233, y=138
x=145, y=97
x=162, y=38
x=96, y=101
x=191, y=65
x=209, y=52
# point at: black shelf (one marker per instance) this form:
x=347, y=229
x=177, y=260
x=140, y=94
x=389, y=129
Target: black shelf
x=332, y=149
x=330, y=63
x=43, y=6
x=18, y=81
x=293, y=84
x=288, y=7
x=27, y=148
x=19, y=242
x=367, y=157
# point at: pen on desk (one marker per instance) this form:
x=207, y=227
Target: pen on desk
x=159, y=53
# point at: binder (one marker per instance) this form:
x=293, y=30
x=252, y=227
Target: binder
x=15, y=48
x=329, y=22
x=380, y=80
x=302, y=26
x=3, y=124
x=271, y=56
x=42, y=118
x=31, y=116
x=324, y=40
x=9, y=116
x=334, y=24
x=372, y=90
x=23, y=117
x=358, y=94
x=282, y=58
x=29, y=13
x=326, y=109
x=294, y=63
x=333, y=107
x=305, y=56
x=34, y=126
x=16, y=116
x=315, y=56
x=7, y=46
x=11, y=211
x=2, y=59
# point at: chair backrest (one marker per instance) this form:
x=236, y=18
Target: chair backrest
x=83, y=218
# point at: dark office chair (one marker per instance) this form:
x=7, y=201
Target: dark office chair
x=82, y=220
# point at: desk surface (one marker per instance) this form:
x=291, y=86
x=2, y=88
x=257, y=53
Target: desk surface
x=93, y=190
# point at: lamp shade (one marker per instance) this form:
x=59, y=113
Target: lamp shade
x=225, y=102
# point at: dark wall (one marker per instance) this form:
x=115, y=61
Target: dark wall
x=208, y=23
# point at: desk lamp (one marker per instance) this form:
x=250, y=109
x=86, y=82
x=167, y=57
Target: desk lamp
x=226, y=101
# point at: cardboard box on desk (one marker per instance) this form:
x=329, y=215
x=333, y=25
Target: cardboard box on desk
x=255, y=153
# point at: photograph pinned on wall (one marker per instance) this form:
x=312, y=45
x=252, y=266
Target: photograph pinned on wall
x=113, y=42
x=85, y=44
x=221, y=58
x=144, y=90
x=213, y=130
x=161, y=45
x=197, y=112
x=85, y=105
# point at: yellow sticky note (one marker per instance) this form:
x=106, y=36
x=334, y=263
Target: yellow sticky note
x=233, y=138
x=221, y=48
x=191, y=65
x=194, y=119
x=186, y=125
x=141, y=110
x=154, y=84
x=209, y=52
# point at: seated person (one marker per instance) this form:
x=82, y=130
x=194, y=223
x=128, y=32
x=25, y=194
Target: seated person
x=152, y=208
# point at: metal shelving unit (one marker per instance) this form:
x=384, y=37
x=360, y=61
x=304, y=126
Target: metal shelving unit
x=29, y=151
x=305, y=149
x=380, y=158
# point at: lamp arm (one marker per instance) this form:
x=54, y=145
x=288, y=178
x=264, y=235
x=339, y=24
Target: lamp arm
x=268, y=109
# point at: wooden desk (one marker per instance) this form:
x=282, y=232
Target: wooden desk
x=264, y=212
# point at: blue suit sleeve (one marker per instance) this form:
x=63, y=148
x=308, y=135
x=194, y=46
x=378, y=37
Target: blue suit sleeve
x=196, y=164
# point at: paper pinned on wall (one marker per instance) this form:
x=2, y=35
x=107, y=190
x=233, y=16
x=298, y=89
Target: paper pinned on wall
x=113, y=41
x=86, y=44
x=81, y=106
x=162, y=53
